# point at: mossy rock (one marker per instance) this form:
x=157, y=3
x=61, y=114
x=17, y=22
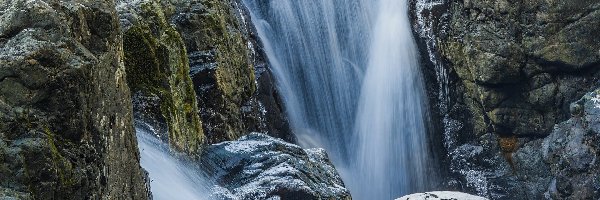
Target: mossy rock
x=157, y=65
x=222, y=72
x=66, y=130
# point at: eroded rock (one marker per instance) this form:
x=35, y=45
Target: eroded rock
x=227, y=68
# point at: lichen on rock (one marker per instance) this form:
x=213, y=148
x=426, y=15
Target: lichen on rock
x=518, y=61
x=512, y=68
x=66, y=127
x=158, y=73
x=221, y=70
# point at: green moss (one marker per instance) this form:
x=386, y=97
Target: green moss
x=140, y=50
x=234, y=75
x=157, y=64
x=62, y=166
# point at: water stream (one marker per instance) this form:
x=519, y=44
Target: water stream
x=171, y=178
x=348, y=73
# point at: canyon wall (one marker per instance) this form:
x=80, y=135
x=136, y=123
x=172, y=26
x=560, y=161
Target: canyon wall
x=501, y=75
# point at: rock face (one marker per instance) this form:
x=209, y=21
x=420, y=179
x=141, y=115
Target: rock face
x=158, y=74
x=570, y=153
x=258, y=166
x=223, y=54
x=66, y=128
x=563, y=165
x=506, y=72
x=517, y=60
x=231, y=82
x=230, y=76
x=441, y=195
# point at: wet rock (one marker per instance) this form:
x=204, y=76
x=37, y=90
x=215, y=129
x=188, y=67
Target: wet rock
x=512, y=69
x=221, y=72
x=441, y=195
x=226, y=66
x=157, y=69
x=66, y=128
x=258, y=166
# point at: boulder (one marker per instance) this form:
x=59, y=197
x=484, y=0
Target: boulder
x=258, y=166
x=441, y=195
x=66, y=126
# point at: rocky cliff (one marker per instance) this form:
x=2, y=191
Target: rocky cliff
x=157, y=67
x=234, y=91
x=227, y=68
x=66, y=127
x=214, y=43
x=504, y=73
x=197, y=74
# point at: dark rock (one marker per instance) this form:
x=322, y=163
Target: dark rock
x=227, y=63
x=258, y=166
x=518, y=60
x=157, y=68
x=221, y=72
x=66, y=129
x=510, y=69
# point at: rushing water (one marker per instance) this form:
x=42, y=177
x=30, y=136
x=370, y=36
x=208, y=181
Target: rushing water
x=171, y=178
x=348, y=73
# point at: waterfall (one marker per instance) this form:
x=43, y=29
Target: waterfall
x=170, y=177
x=390, y=125
x=348, y=74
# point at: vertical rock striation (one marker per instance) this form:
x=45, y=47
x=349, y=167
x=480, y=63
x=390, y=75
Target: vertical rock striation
x=158, y=73
x=65, y=123
x=223, y=53
x=228, y=69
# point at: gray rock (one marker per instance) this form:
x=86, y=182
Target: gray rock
x=258, y=166
x=228, y=68
x=571, y=151
x=441, y=195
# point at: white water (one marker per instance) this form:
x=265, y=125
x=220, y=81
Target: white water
x=170, y=177
x=348, y=73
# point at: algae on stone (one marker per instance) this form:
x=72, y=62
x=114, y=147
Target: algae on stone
x=221, y=70
x=157, y=66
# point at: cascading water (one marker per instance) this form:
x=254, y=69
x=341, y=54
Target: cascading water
x=390, y=123
x=349, y=77
x=171, y=178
